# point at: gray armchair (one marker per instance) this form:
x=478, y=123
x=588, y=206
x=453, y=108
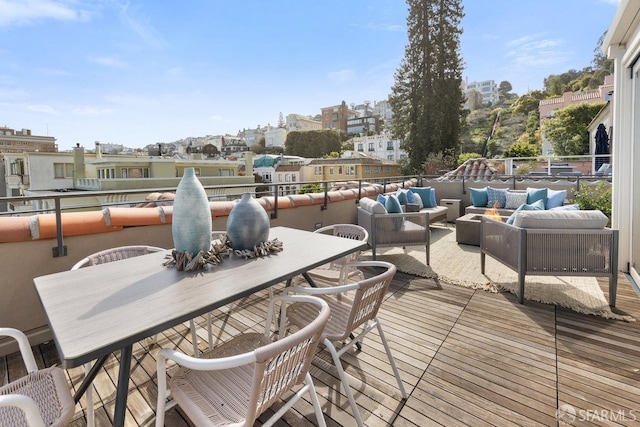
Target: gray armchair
x=393, y=229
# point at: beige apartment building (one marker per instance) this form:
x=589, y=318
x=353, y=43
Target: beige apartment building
x=20, y=141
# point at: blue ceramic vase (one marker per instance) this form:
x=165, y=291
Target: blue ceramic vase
x=191, y=225
x=247, y=224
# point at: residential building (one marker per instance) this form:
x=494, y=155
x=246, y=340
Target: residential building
x=288, y=176
x=380, y=145
x=274, y=137
x=19, y=141
x=35, y=173
x=363, y=125
x=487, y=88
x=349, y=169
x=548, y=107
x=622, y=45
x=336, y=117
x=383, y=110
x=300, y=123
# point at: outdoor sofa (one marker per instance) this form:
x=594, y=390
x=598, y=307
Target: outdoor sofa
x=553, y=243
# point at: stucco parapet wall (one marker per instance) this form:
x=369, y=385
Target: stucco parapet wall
x=111, y=219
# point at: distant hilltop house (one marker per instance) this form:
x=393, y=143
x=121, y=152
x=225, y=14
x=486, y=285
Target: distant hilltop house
x=548, y=107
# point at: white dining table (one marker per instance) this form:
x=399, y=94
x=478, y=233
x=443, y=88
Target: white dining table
x=97, y=310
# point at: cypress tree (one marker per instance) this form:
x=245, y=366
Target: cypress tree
x=426, y=98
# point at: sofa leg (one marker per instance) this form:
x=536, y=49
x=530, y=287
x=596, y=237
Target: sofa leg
x=613, y=288
x=521, y=286
x=482, y=260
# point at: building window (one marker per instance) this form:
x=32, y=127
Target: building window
x=287, y=178
x=360, y=147
x=371, y=147
x=376, y=170
x=135, y=173
x=330, y=170
x=63, y=170
x=293, y=178
x=389, y=145
x=351, y=170
x=367, y=170
x=317, y=170
x=17, y=167
x=339, y=170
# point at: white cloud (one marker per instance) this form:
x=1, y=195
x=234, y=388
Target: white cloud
x=26, y=12
x=342, y=76
x=108, y=61
x=536, y=51
x=143, y=29
x=216, y=118
x=42, y=109
x=91, y=111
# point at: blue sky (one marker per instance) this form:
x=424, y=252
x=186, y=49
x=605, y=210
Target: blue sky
x=139, y=72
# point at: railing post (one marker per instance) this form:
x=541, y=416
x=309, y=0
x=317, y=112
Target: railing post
x=61, y=249
x=359, y=191
x=326, y=196
x=274, y=214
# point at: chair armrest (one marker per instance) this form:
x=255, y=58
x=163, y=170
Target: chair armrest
x=27, y=405
x=25, y=347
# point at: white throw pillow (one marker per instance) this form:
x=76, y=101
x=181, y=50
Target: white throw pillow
x=515, y=199
x=372, y=206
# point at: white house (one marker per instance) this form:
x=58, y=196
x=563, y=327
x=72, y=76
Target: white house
x=622, y=44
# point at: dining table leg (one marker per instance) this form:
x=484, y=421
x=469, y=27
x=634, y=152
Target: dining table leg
x=123, y=386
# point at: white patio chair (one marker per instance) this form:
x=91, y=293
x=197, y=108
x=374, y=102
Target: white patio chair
x=355, y=314
x=333, y=272
x=237, y=381
x=116, y=254
x=40, y=398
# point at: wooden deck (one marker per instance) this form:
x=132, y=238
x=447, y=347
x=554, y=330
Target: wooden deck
x=466, y=358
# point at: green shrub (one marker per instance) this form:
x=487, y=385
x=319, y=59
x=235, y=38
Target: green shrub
x=598, y=197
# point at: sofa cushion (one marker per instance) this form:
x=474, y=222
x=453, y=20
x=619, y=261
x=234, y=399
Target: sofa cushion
x=425, y=196
x=555, y=198
x=535, y=206
x=515, y=199
x=382, y=199
x=479, y=197
x=561, y=219
x=535, y=194
x=372, y=206
x=496, y=197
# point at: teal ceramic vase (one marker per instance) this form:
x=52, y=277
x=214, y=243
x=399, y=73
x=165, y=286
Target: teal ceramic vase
x=247, y=224
x=191, y=224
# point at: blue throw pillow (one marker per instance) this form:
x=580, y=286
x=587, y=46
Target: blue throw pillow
x=535, y=194
x=535, y=206
x=496, y=197
x=393, y=204
x=382, y=199
x=555, y=198
x=402, y=196
x=479, y=197
x=411, y=197
x=434, y=203
x=425, y=196
x=572, y=207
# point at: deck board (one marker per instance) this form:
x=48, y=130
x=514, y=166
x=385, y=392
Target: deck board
x=467, y=358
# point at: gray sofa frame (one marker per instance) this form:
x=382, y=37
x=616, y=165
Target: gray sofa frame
x=552, y=252
x=382, y=230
